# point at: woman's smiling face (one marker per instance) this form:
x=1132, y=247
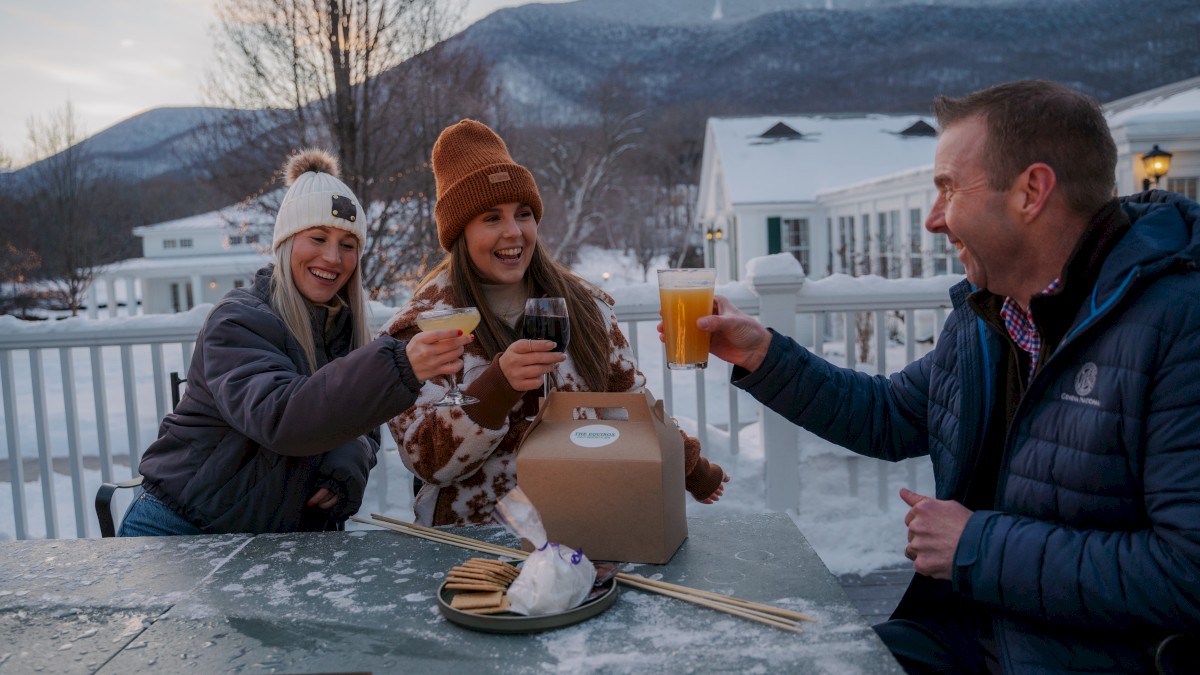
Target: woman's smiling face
x=323, y=259
x=500, y=242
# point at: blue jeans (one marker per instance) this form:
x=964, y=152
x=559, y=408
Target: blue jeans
x=147, y=516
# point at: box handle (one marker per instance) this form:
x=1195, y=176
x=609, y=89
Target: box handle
x=561, y=405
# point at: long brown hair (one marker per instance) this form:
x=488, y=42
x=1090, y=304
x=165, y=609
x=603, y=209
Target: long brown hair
x=589, y=345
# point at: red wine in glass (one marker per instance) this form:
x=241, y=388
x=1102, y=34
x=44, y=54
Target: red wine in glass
x=556, y=328
x=546, y=319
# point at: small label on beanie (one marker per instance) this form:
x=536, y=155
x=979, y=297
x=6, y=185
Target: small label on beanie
x=498, y=177
x=343, y=208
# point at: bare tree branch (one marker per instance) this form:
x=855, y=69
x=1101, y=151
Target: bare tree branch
x=66, y=200
x=370, y=79
x=579, y=165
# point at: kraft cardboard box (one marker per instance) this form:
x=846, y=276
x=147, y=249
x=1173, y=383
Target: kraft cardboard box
x=611, y=487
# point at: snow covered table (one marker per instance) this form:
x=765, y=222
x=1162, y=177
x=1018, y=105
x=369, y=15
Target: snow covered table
x=365, y=601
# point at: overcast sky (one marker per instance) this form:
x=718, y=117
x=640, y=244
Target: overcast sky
x=111, y=58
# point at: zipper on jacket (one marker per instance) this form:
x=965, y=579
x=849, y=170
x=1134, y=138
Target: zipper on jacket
x=988, y=393
x=1037, y=383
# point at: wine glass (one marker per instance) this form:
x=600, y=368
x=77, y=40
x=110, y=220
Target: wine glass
x=546, y=319
x=459, y=318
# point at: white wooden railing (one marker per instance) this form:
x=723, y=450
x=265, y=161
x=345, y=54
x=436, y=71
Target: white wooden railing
x=85, y=392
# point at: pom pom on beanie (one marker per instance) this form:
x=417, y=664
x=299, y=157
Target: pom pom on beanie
x=313, y=159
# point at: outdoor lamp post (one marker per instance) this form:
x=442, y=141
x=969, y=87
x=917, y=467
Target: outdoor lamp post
x=713, y=235
x=1156, y=164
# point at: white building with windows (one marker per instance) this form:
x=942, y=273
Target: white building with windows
x=850, y=193
x=187, y=262
x=1167, y=117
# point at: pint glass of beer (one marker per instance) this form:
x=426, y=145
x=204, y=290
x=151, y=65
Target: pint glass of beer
x=686, y=295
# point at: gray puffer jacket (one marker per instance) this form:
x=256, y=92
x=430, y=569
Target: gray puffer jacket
x=256, y=433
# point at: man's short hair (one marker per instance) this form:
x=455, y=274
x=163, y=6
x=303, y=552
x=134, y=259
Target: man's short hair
x=1032, y=121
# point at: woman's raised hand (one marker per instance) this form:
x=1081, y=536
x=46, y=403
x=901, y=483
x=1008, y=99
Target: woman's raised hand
x=525, y=362
x=437, y=352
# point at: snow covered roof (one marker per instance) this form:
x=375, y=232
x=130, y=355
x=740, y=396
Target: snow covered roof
x=234, y=215
x=831, y=151
x=1172, y=102
x=217, y=263
x=229, y=216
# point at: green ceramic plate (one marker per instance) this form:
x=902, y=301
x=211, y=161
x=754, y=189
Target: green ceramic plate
x=509, y=622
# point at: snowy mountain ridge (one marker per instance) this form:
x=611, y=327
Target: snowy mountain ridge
x=682, y=12
x=776, y=56
x=759, y=57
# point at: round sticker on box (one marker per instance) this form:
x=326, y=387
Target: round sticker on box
x=594, y=435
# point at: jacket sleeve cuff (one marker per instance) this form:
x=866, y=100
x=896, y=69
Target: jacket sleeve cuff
x=407, y=376
x=966, y=555
x=703, y=477
x=496, y=397
x=745, y=379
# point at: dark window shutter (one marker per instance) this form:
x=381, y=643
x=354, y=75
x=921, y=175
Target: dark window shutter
x=774, y=235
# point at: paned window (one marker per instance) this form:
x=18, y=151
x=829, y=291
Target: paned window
x=915, y=228
x=1185, y=186
x=796, y=240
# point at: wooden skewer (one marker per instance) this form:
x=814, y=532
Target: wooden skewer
x=444, y=537
x=465, y=542
x=720, y=606
x=758, y=607
x=744, y=608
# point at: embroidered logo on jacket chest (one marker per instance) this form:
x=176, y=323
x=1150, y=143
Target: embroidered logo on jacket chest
x=1085, y=382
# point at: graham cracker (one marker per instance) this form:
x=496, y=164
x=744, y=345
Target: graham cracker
x=475, y=586
x=472, y=574
x=504, y=607
x=484, y=600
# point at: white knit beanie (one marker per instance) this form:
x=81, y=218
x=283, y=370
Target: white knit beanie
x=317, y=197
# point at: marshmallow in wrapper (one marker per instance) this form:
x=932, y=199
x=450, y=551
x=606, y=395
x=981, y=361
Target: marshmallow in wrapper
x=553, y=578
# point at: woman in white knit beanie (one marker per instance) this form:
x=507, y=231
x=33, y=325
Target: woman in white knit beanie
x=278, y=427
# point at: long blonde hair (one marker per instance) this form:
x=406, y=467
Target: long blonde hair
x=292, y=306
x=589, y=345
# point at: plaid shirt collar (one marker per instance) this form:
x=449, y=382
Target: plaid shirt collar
x=1021, y=328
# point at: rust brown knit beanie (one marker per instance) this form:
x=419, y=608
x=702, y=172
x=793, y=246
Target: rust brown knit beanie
x=474, y=172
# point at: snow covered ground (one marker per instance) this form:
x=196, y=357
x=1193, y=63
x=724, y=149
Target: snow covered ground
x=840, y=494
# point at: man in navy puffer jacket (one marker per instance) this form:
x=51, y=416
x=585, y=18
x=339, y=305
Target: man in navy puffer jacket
x=1060, y=407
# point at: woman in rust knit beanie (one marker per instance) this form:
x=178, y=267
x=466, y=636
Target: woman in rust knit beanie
x=488, y=213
